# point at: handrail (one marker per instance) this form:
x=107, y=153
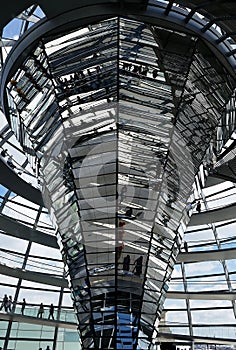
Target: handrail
x=60, y=314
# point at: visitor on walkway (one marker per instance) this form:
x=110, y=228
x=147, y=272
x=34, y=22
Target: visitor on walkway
x=4, y=153
x=23, y=306
x=4, y=303
x=9, y=304
x=198, y=207
x=51, y=312
x=40, y=311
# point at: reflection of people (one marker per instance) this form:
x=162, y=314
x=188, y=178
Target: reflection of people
x=138, y=266
x=165, y=220
x=121, y=230
x=169, y=201
x=129, y=211
x=129, y=214
x=123, y=193
x=86, y=285
x=119, y=250
x=186, y=246
x=40, y=311
x=126, y=263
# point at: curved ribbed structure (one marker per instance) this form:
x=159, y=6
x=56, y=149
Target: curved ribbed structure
x=116, y=118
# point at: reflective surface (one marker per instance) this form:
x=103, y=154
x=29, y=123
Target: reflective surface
x=116, y=120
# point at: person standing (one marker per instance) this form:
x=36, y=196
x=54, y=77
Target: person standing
x=4, y=153
x=40, y=311
x=23, y=306
x=186, y=247
x=9, y=304
x=198, y=207
x=4, y=303
x=126, y=263
x=51, y=312
x=138, y=266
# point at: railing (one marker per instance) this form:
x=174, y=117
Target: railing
x=62, y=315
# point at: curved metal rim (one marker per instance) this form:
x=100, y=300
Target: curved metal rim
x=93, y=13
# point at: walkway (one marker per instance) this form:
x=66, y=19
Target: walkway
x=211, y=295
x=38, y=277
x=213, y=215
x=15, y=183
x=211, y=255
x=14, y=228
x=66, y=319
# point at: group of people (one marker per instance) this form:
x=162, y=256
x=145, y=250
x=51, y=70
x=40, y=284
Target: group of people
x=85, y=81
x=138, y=265
x=41, y=311
x=7, y=303
x=140, y=70
x=4, y=154
x=191, y=205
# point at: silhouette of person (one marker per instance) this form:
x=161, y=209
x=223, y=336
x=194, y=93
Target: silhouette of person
x=51, y=312
x=126, y=263
x=9, y=304
x=186, y=247
x=4, y=303
x=4, y=153
x=198, y=207
x=129, y=212
x=86, y=286
x=23, y=307
x=119, y=250
x=40, y=311
x=138, y=266
x=10, y=163
x=123, y=193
